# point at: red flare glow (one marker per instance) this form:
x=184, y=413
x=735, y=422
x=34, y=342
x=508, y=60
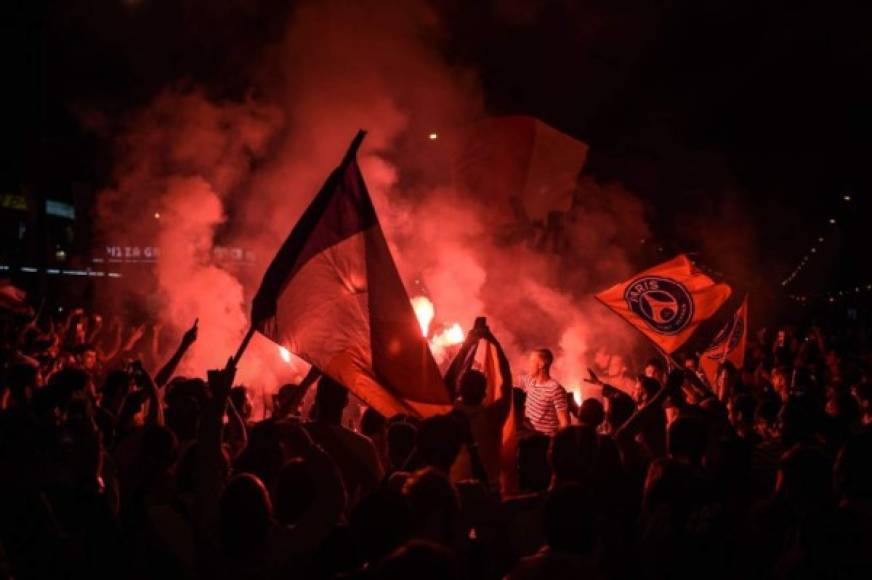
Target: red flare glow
x=450, y=335
x=425, y=312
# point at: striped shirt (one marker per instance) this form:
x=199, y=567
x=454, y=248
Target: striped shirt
x=544, y=402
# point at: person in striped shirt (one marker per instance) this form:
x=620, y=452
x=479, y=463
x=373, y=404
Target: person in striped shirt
x=546, y=408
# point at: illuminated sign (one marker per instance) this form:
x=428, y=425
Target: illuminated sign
x=60, y=209
x=13, y=201
x=134, y=254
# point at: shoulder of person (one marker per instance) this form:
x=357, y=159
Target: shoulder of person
x=553, y=384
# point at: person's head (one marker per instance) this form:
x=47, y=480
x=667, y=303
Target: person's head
x=741, y=410
x=655, y=369
x=287, y=401
x=473, y=387
x=330, y=400
x=779, y=378
x=184, y=399
x=22, y=379
x=645, y=388
x=245, y=516
x=805, y=476
x=380, y=522
x=419, y=560
x=591, y=413
x=241, y=401
x=568, y=520
x=539, y=362
x=534, y=469
x=766, y=416
x=433, y=503
x=686, y=440
x=439, y=441
x=264, y=455
x=602, y=358
x=573, y=451
x=853, y=470
x=618, y=411
x=373, y=424
x=401, y=445
x=726, y=380
x=88, y=358
x=293, y=492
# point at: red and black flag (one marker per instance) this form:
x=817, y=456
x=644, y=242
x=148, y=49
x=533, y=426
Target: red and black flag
x=728, y=344
x=668, y=302
x=333, y=296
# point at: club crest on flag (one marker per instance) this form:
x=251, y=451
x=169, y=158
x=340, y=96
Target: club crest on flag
x=665, y=305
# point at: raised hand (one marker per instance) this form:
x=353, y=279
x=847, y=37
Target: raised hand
x=221, y=380
x=135, y=337
x=592, y=378
x=190, y=336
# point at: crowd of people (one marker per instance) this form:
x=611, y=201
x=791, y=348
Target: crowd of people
x=115, y=467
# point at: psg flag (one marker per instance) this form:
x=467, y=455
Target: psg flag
x=728, y=344
x=668, y=302
x=332, y=295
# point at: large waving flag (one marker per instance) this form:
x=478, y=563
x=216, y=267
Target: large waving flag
x=333, y=296
x=668, y=302
x=728, y=344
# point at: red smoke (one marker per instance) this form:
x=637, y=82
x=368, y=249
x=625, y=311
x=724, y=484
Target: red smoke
x=239, y=174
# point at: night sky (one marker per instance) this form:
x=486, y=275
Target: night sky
x=733, y=116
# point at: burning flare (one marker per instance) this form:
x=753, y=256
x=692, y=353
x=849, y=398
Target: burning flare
x=425, y=312
x=576, y=394
x=449, y=336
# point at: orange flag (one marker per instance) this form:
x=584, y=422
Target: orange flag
x=489, y=363
x=728, y=344
x=668, y=302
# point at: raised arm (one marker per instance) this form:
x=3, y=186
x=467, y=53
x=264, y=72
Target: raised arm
x=640, y=419
x=115, y=347
x=210, y=476
x=166, y=372
x=458, y=364
x=145, y=382
x=238, y=435
x=133, y=339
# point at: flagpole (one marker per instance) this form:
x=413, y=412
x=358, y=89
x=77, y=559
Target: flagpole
x=243, y=345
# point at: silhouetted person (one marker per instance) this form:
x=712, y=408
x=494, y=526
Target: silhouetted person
x=354, y=454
